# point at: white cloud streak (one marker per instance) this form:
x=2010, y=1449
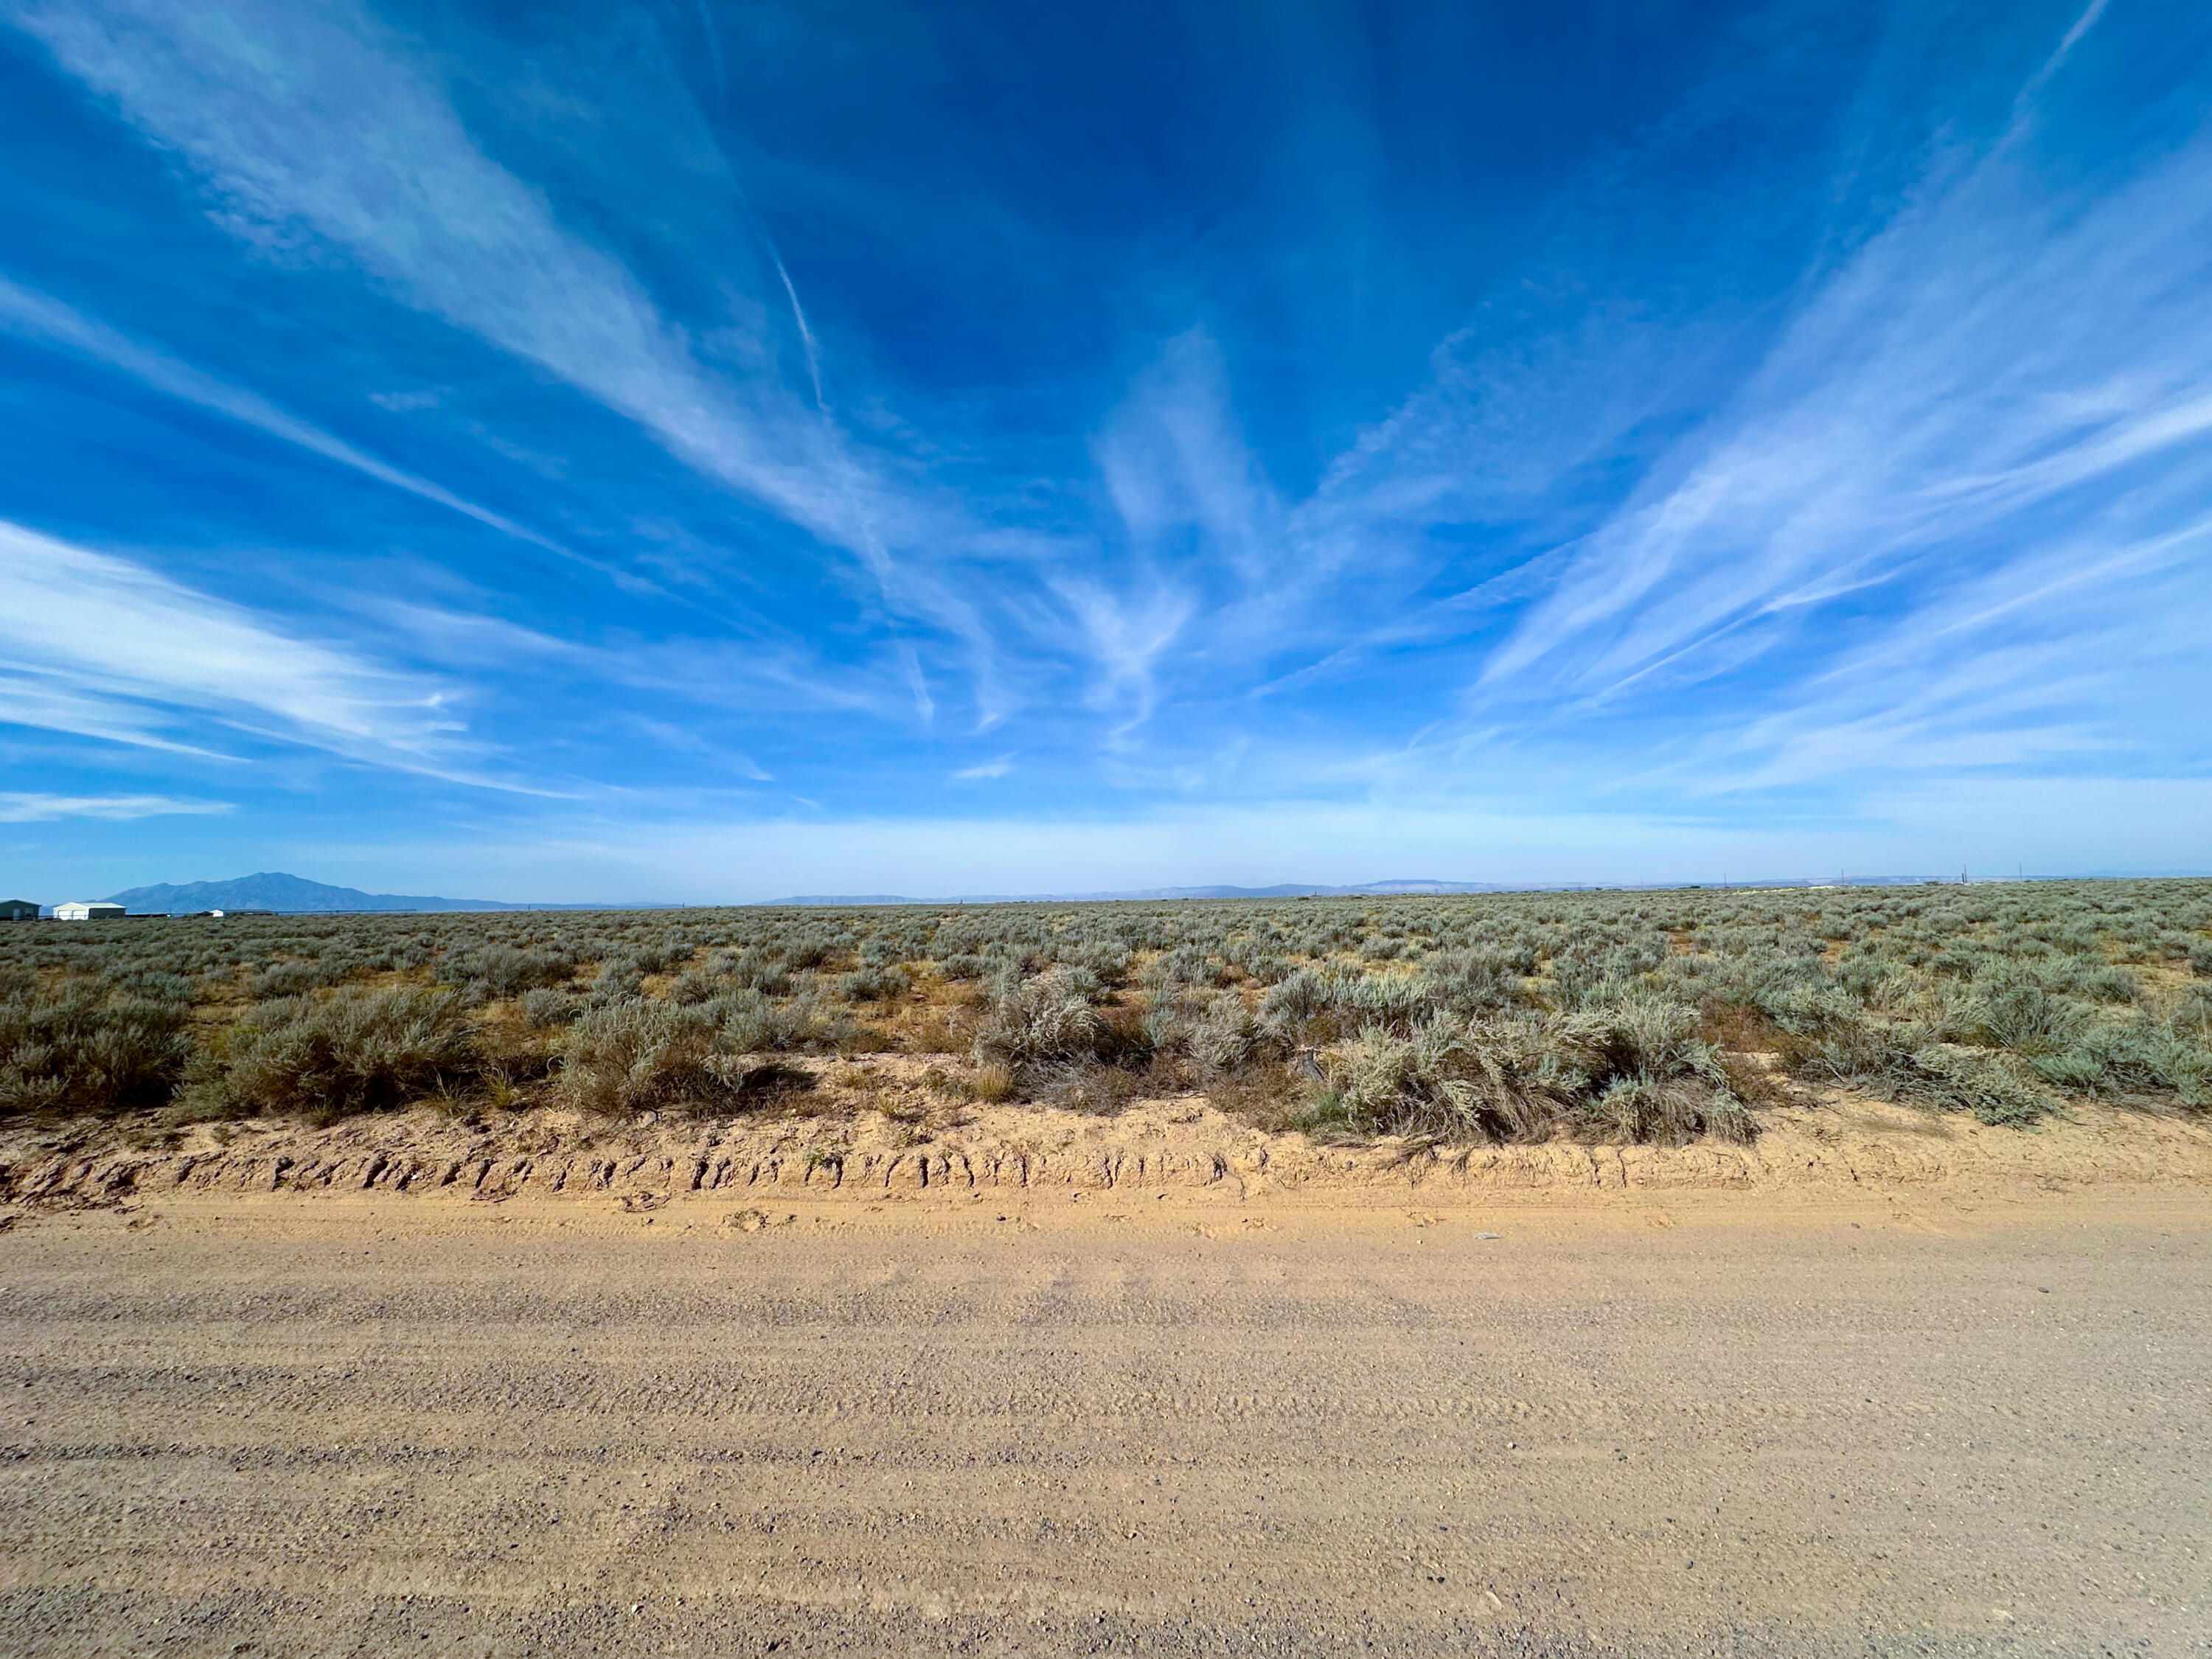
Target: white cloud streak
x=102, y=648
x=1978, y=376
x=1892, y=522
x=309, y=120
x=1174, y=458
x=16, y=807
x=40, y=317
x=310, y=123
x=1956, y=510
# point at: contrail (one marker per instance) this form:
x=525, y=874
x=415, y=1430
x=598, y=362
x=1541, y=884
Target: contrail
x=871, y=547
x=714, y=50
x=799, y=312
x=40, y=316
x=2051, y=64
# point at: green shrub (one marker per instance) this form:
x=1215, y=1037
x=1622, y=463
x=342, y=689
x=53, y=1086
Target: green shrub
x=1225, y=1037
x=497, y=970
x=750, y=1023
x=875, y=983
x=1471, y=981
x=619, y=980
x=356, y=1051
x=2133, y=1056
x=1905, y=1062
x=639, y=1055
x=285, y=979
x=1991, y=999
x=84, y=1050
x=1630, y=1070
x=633, y=1054
x=1049, y=1017
x=2012, y=1009
x=545, y=1008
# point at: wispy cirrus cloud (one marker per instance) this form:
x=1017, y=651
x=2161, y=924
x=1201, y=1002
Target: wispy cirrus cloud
x=18, y=807
x=1126, y=634
x=2083, y=651
x=318, y=125
x=1944, y=519
x=1174, y=463
x=313, y=122
x=1950, y=519
x=310, y=121
x=2001, y=371
x=102, y=648
x=41, y=317
x=1826, y=421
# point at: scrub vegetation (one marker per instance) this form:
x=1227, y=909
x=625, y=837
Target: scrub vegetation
x=1605, y=1016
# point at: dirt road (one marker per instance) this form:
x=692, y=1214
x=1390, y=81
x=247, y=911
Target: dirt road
x=280, y=1424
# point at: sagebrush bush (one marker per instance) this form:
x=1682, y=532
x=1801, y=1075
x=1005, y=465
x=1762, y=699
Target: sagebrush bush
x=633, y=1055
x=356, y=1051
x=2012, y=1009
x=2003, y=1000
x=1227, y=1036
x=875, y=983
x=545, y=1008
x=84, y=1050
x=1902, y=1061
x=1047, y=1018
x=494, y=968
x=1630, y=1070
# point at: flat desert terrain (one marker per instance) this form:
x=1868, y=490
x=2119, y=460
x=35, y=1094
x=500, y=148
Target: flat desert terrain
x=1909, y=1409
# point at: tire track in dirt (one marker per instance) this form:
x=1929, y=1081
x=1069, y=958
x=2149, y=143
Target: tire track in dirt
x=1170, y=1147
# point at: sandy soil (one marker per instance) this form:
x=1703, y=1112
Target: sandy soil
x=883, y=1135
x=1928, y=1393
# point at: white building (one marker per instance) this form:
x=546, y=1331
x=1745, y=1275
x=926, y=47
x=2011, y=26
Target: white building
x=88, y=911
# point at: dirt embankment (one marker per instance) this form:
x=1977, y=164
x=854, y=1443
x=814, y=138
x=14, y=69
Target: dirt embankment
x=898, y=1146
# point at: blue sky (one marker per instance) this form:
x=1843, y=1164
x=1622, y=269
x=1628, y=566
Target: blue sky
x=702, y=450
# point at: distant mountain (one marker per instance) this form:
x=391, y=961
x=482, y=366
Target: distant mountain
x=295, y=896
x=1295, y=889
x=1403, y=887
x=288, y=896
x=833, y=900
x=1288, y=890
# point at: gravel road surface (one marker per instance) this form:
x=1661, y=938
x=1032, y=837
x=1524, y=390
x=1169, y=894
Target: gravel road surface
x=291, y=1425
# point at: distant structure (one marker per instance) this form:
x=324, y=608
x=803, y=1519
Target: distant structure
x=18, y=910
x=241, y=910
x=88, y=911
